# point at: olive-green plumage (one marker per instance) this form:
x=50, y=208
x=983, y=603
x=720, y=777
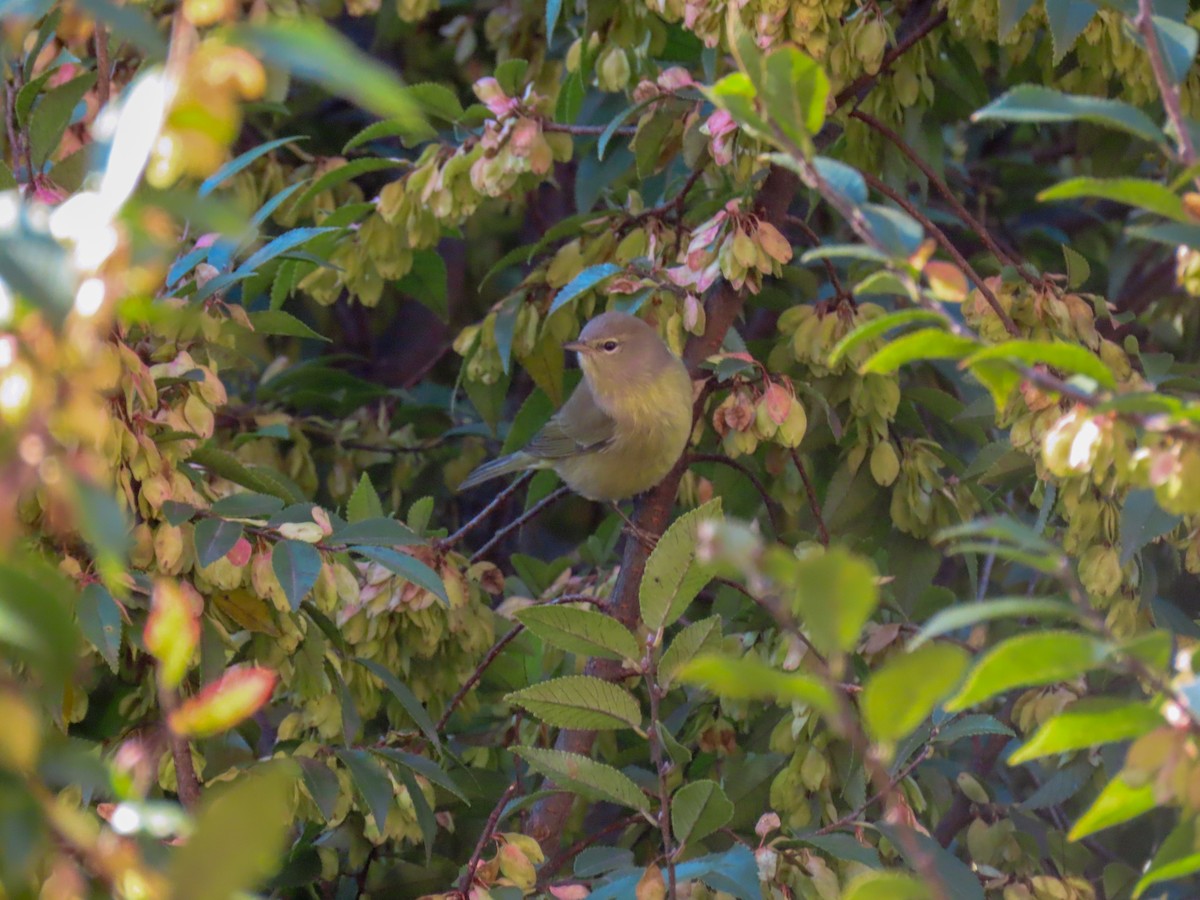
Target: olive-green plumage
x=626, y=423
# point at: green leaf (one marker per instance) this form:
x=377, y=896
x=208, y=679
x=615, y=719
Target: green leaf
x=795, y=91
x=920, y=345
x=873, y=328
x=844, y=179
x=426, y=820
x=99, y=619
x=424, y=767
x=246, y=506
x=749, y=678
x=685, y=645
x=833, y=595
x=1088, y=723
x=1178, y=43
x=1030, y=660
x=973, y=725
x=364, y=502
x=371, y=782
x=407, y=567
x=214, y=538
x=381, y=532
x=321, y=784
x=407, y=698
x=585, y=776
x=29, y=93
x=289, y=240
x=904, y=691
x=345, y=172
x=589, y=278
x=579, y=701
x=53, y=114
x=129, y=23
x=617, y=121
x=1117, y=803
x=698, y=809
x=313, y=51
x=240, y=836
x=1139, y=192
x=964, y=615
x=1142, y=521
x=1078, y=268
x=1177, y=857
x=1067, y=20
x=957, y=880
x=511, y=75
x=1071, y=358
x=35, y=618
x=1034, y=103
x=581, y=631
x=241, y=161
x=35, y=266
x=426, y=282
x=228, y=466
x=570, y=95
x=553, y=11
x=297, y=566
x=886, y=886
x=673, y=576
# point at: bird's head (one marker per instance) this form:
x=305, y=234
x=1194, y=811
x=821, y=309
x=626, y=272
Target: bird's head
x=617, y=349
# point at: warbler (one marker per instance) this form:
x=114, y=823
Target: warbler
x=624, y=426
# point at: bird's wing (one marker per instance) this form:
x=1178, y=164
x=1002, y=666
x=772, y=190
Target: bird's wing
x=581, y=426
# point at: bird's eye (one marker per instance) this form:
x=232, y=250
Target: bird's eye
x=609, y=346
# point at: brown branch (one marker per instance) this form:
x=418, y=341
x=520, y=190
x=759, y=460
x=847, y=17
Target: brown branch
x=520, y=520
x=830, y=268
x=478, y=518
x=863, y=83
x=560, y=859
x=584, y=130
x=813, y=503
x=972, y=223
x=103, y=66
x=773, y=509
x=653, y=512
x=940, y=236
x=489, y=830
x=1144, y=23
x=187, y=784
x=661, y=767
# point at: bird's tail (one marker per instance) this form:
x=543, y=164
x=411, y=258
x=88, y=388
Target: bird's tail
x=514, y=462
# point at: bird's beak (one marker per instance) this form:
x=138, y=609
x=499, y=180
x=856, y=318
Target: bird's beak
x=576, y=346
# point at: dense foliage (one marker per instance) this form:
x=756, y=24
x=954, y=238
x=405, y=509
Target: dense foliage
x=912, y=618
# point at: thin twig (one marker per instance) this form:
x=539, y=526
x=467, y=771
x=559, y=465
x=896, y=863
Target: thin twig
x=520, y=520
x=972, y=223
x=813, y=503
x=773, y=509
x=629, y=131
x=561, y=858
x=1144, y=22
x=856, y=814
x=489, y=830
x=479, y=517
x=863, y=82
x=830, y=268
x=661, y=767
x=103, y=65
x=940, y=236
x=187, y=784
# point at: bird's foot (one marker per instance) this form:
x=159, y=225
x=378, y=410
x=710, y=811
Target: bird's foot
x=643, y=537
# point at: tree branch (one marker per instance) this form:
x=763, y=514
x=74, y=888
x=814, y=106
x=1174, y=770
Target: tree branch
x=813, y=503
x=859, y=87
x=531, y=513
x=1144, y=23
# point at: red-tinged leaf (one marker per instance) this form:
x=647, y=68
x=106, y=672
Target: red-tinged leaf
x=779, y=402
x=172, y=630
x=240, y=554
x=946, y=281
x=232, y=699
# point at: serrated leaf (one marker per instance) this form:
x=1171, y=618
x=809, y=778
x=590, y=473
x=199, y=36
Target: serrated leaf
x=794, y=90
x=1117, y=803
x=902, y=693
x=1030, y=660
x=1035, y=103
x=1142, y=521
x=686, y=645
x=965, y=615
x=1067, y=20
x=698, y=809
x=244, y=826
x=917, y=346
x=589, y=278
x=1071, y=358
x=750, y=678
x=957, y=879
x=886, y=886
x=407, y=698
x=581, y=631
x=100, y=621
x=364, y=502
x=585, y=776
x=343, y=173
x=1089, y=722
x=973, y=725
x=297, y=566
x=1061, y=786
x=1078, y=268
x=673, y=576
x=214, y=538
x=1138, y=192
x=226, y=465
x=579, y=701
x=407, y=567
x=371, y=782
